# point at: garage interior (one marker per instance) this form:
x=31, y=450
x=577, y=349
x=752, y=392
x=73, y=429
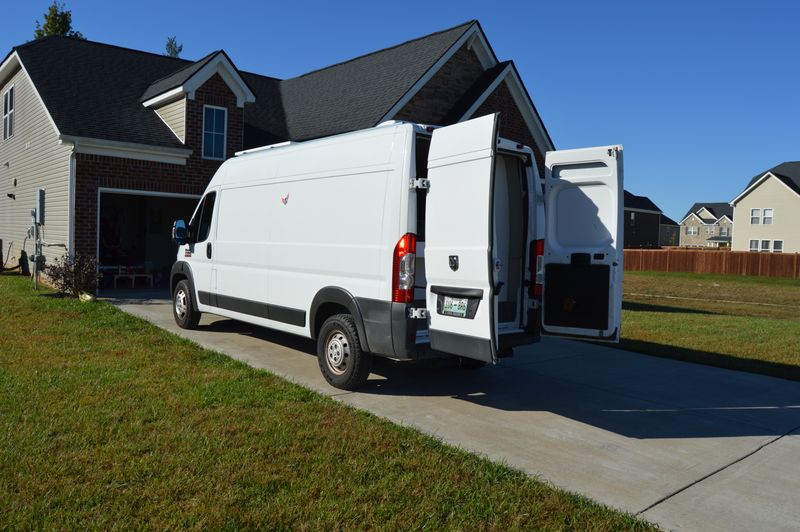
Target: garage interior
x=135, y=249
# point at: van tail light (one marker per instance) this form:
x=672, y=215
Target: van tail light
x=537, y=268
x=403, y=269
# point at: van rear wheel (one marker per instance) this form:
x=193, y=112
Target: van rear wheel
x=186, y=316
x=341, y=360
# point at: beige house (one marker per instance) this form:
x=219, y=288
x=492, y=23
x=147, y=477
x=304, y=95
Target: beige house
x=767, y=212
x=707, y=225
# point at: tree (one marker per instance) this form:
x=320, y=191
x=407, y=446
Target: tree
x=173, y=49
x=57, y=21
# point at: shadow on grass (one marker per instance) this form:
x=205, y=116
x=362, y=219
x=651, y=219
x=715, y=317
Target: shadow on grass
x=635, y=306
x=710, y=358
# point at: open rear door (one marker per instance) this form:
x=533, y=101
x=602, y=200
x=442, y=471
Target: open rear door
x=583, y=243
x=458, y=227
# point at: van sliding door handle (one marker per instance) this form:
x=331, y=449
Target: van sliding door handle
x=208, y=250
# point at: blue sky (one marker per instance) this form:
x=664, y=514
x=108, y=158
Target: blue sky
x=702, y=94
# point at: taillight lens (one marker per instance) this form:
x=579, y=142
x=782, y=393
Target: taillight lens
x=404, y=268
x=537, y=268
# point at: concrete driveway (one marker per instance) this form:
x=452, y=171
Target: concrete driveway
x=686, y=446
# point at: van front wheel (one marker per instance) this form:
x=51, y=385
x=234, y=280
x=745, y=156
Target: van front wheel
x=186, y=316
x=341, y=360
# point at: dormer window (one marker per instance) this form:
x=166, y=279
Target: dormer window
x=215, y=120
x=8, y=113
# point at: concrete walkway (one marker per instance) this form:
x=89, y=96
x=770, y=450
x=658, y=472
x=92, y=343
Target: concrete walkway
x=686, y=446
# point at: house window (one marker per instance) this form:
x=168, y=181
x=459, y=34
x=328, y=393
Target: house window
x=777, y=246
x=755, y=216
x=724, y=231
x=767, y=218
x=8, y=113
x=765, y=245
x=692, y=230
x=710, y=230
x=214, y=128
x=754, y=245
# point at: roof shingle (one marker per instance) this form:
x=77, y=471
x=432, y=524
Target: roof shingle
x=632, y=201
x=718, y=209
x=788, y=173
x=92, y=89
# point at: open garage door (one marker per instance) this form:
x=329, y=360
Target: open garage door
x=134, y=241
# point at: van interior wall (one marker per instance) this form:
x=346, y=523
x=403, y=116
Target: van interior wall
x=422, y=149
x=135, y=232
x=509, y=233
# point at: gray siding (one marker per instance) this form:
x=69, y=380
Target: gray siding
x=174, y=115
x=34, y=157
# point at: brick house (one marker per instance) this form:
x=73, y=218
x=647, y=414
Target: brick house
x=124, y=141
x=707, y=225
x=642, y=222
x=669, y=232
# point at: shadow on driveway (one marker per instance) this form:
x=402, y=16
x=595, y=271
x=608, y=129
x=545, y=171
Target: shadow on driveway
x=634, y=395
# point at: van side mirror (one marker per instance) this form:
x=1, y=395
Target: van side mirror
x=180, y=235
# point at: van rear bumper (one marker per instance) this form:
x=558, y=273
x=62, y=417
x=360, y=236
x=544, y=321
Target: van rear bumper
x=389, y=330
x=391, y=333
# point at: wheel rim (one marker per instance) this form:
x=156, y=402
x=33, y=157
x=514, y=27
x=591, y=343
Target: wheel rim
x=180, y=304
x=337, y=352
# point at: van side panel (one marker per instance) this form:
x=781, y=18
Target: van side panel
x=299, y=219
x=240, y=251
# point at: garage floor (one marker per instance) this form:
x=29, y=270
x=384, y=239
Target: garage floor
x=686, y=446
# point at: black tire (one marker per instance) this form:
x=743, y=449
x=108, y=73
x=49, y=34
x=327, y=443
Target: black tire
x=186, y=316
x=341, y=360
x=470, y=363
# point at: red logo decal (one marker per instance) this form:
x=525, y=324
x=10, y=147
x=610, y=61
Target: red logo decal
x=285, y=200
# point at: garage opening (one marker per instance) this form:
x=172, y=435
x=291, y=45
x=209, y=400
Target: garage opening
x=134, y=244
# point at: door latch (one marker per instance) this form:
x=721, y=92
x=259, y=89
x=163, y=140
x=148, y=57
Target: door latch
x=418, y=313
x=424, y=184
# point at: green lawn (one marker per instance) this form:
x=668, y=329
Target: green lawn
x=107, y=421
x=744, y=323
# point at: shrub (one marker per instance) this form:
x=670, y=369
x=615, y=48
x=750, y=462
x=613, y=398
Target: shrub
x=74, y=276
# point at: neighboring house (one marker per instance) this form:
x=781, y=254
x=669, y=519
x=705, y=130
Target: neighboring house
x=642, y=219
x=669, y=232
x=707, y=225
x=125, y=141
x=767, y=212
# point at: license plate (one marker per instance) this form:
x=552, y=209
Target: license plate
x=454, y=306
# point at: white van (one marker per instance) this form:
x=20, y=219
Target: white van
x=406, y=241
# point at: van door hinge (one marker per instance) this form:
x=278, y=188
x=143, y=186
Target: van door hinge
x=418, y=313
x=420, y=183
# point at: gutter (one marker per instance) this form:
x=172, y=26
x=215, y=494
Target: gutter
x=126, y=150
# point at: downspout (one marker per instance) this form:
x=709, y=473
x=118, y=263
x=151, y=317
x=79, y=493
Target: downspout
x=71, y=208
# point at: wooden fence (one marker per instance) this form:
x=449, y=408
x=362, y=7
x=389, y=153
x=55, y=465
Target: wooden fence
x=714, y=261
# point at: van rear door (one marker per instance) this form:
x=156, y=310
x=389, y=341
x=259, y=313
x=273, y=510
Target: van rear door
x=583, y=243
x=458, y=247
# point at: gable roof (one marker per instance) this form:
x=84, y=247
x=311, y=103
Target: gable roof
x=642, y=203
x=177, y=78
x=356, y=94
x=477, y=89
x=96, y=90
x=666, y=220
x=92, y=89
x=718, y=209
x=788, y=173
